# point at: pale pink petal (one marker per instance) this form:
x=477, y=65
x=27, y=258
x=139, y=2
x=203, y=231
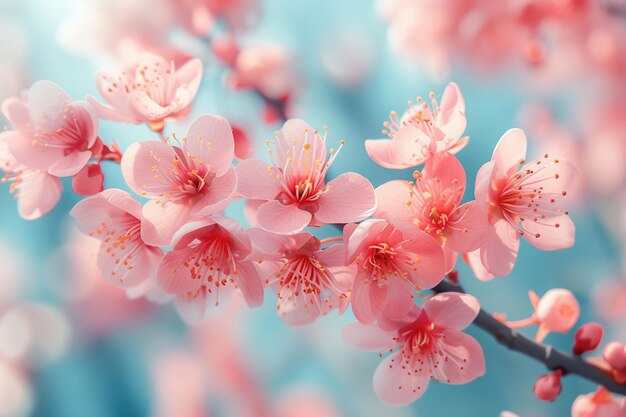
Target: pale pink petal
x=368, y=338
x=499, y=251
x=448, y=169
x=359, y=236
x=210, y=140
x=466, y=360
x=250, y=209
x=451, y=116
x=452, y=310
x=467, y=227
x=28, y=152
x=391, y=198
x=334, y=255
x=459, y=145
x=552, y=233
x=89, y=180
x=410, y=146
x=351, y=198
x=296, y=310
x=39, y=192
x=368, y=300
x=380, y=152
x=430, y=269
x=127, y=272
x=400, y=300
x=122, y=200
x=187, y=78
x=256, y=181
x=249, y=283
x=268, y=243
x=395, y=384
x=47, y=103
x=143, y=104
x=16, y=112
x=112, y=88
x=219, y=195
x=482, y=186
x=172, y=276
x=291, y=139
x=70, y=164
x=193, y=307
x=138, y=162
x=510, y=152
x=278, y=218
x=111, y=114
x=479, y=270
x=162, y=220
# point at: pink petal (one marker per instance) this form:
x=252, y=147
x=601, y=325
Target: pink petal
x=459, y=145
x=431, y=267
x=189, y=76
x=112, y=88
x=278, y=218
x=448, y=169
x=400, y=300
x=391, y=200
x=47, y=103
x=70, y=164
x=331, y=256
x=545, y=235
x=162, y=220
x=249, y=283
x=172, y=276
x=452, y=310
x=466, y=360
x=397, y=385
x=112, y=114
x=479, y=270
x=380, y=152
x=123, y=201
x=510, y=152
x=357, y=237
x=89, y=180
x=210, y=140
x=368, y=300
x=410, y=146
x=368, y=338
x=218, y=196
x=296, y=310
x=291, y=139
x=268, y=243
x=351, y=198
x=256, y=181
x=145, y=106
x=451, y=116
x=28, y=152
x=130, y=265
x=193, y=307
x=499, y=252
x=483, y=184
x=467, y=228
x=137, y=167
x=39, y=192
x=16, y=112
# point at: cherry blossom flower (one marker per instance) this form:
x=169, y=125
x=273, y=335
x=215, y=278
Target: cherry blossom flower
x=429, y=343
x=309, y=281
x=37, y=192
x=433, y=204
x=151, y=91
x=294, y=187
x=52, y=132
x=391, y=264
x=114, y=218
x=182, y=182
x=522, y=202
x=209, y=259
x=421, y=132
x=599, y=404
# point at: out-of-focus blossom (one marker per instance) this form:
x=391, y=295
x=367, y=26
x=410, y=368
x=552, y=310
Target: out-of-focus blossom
x=309, y=281
x=391, y=264
x=13, y=54
x=599, y=404
x=294, y=186
x=16, y=391
x=421, y=132
x=347, y=56
x=587, y=338
x=183, y=182
x=305, y=402
x=244, y=148
x=508, y=414
x=615, y=355
x=522, y=202
x=89, y=180
x=208, y=261
x=609, y=299
x=548, y=387
x=199, y=16
x=150, y=91
x=114, y=218
x=430, y=344
x=433, y=204
x=51, y=132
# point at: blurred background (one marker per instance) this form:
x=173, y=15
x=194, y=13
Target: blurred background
x=72, y=345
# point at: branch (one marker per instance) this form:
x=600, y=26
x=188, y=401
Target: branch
x=553, y=358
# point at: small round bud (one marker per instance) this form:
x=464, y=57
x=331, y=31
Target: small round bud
x=558, y=310
x=548, y=387
x=615, y=355
x=587, y=338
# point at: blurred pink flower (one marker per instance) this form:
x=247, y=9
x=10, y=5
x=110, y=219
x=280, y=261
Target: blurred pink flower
x=599, y=404
x=183, y=182
x=209, y=259
x=433, y=204
x=422, y=132
x=52, y=132
x=615, y=355
x=522, y=202
x=391, y=264
x=309, y=281
x=609, y=299
x=151, y=91
x=430, y=344
x=305, y=402
x=114, y=218
x=199, y=16
x=294, y=186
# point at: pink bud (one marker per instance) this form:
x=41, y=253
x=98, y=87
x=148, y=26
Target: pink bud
x=89, y=180
x=615, y=355
x=587, y=338
x=225, y=49
x=548, y=387
x=558, y=310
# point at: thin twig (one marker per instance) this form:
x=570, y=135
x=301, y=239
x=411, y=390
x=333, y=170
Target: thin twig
x=553, y=358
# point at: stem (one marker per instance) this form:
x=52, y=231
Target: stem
x=553, y=358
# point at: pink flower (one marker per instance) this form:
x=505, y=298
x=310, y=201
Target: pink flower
x=421, y=132
x=309, y=281
x=429, y=343
x=599, y=404
x=114, y=218
x=37, y=192
x=209, y=259
x=182, y=182
x=52, y=132
x=432, y=203
x=522, y=203
x=294, y=187
x=151, y=91
x=391, y=264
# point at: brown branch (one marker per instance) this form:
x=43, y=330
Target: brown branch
x=550, y=356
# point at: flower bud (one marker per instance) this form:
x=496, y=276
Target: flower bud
x=587, y=338
x=548, y=387
x=558, y=310
x=615, y=355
